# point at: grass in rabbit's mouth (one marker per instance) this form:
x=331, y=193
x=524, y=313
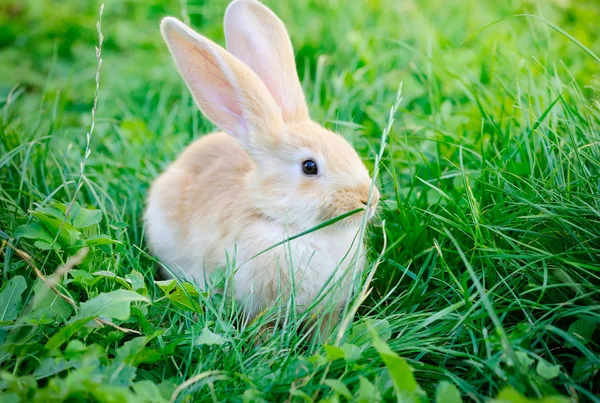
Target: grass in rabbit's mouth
x=484, y=264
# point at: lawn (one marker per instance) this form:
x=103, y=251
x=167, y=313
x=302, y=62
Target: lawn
x=484, y=261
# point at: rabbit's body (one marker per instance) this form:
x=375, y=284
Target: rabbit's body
x=199, y=216
x=271, y=174
x=194, y=205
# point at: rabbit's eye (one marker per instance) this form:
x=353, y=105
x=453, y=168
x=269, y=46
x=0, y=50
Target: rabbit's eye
x=309, y=167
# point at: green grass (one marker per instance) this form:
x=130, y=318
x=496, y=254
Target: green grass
x=489, y=258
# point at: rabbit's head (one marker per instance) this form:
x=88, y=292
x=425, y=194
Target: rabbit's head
x=303, y=174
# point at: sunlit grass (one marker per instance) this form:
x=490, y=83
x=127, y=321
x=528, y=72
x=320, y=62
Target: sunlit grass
x=489, y=273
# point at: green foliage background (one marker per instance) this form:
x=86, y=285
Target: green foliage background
x=488, y=286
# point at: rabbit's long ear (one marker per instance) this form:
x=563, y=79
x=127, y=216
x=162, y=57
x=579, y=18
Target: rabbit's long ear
x=258, y=37
x=227, y=91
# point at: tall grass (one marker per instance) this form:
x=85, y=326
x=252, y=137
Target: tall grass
x=483, y=264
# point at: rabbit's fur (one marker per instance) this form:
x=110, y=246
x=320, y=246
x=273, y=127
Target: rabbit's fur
x=236, y=193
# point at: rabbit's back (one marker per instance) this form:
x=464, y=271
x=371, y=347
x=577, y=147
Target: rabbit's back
x=195, y=206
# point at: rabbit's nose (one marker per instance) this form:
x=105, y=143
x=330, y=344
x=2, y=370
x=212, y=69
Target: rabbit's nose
x=374, y=198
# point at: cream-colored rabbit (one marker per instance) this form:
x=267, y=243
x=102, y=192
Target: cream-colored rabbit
x=270, y=174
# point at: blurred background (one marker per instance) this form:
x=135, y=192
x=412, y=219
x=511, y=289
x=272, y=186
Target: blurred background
x=351, y=55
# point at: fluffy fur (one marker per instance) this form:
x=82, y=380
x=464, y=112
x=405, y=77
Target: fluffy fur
x=240, y=191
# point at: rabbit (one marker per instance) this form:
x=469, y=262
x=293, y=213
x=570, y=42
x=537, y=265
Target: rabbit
x=270, y=173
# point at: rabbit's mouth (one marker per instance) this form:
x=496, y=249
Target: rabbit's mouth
x=352, y=220
x=371, y=211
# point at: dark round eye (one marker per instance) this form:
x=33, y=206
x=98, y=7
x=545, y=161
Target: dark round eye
x=309, y=167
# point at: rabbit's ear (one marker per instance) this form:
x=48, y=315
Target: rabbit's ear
x=227, y=91
x=258, y=37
